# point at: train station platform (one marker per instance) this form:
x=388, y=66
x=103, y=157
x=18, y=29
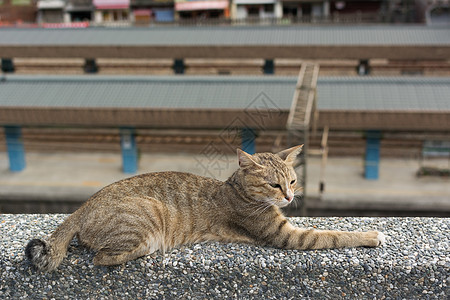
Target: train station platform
x=60, y=182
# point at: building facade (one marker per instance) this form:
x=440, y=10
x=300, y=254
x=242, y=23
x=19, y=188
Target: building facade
x=50, y=11
x=145, y=12
x=17, y=11
x=305, y=9
x=79, y=11
x=202, y=9
x=111, y=11
x=433, y=12
x=256, y=9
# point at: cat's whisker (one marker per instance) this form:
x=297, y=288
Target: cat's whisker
x=298, y=191
x=262, y=210
x=261, y=207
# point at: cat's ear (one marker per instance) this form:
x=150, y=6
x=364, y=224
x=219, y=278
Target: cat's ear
x=246, y=160
x=290, y=154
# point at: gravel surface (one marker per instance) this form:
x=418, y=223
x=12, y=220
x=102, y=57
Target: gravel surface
x=414, y=264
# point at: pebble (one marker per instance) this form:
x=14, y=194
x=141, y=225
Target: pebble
x=414, y=264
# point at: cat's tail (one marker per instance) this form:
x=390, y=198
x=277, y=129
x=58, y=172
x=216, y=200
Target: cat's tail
x=46, y=255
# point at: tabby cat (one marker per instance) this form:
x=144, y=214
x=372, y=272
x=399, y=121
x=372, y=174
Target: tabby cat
x=156, y=211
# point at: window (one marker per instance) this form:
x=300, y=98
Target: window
x=253, y=11
x=268, y=8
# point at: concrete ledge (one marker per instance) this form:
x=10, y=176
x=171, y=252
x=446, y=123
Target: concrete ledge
x=415, y=263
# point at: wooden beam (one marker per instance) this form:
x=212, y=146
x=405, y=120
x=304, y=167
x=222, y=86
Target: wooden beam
x=385, y=120
x=144, y=117
x=416, y=52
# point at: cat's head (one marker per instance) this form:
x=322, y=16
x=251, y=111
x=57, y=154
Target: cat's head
x=269, y=178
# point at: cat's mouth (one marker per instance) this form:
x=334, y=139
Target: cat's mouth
x=280, y=202
x=283, y=202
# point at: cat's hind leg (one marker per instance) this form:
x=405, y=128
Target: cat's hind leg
x=105, y=257
x=110, y=257
x=131, y=228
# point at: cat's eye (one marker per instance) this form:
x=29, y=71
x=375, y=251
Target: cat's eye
x=275, y=186
x=292, y=182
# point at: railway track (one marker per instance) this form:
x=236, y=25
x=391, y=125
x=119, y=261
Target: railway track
x=342, y=67
x=406, y=145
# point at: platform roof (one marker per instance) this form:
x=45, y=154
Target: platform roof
x=235, y=35
x=214, y=102
x=217, y=102
x=384, y=93
x=174, y=92
x=387, y=103
x=364, y=42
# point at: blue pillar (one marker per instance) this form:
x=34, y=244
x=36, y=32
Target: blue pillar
x=248, y=140
x=129, y=150
x=14, y=144
x=372, y=160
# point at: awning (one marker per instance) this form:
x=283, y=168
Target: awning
x=71, y=8
x=142, y=12
x=112, y=4
x=201, y=5
x=52, y=4
x=303, y=2
x=254, y=2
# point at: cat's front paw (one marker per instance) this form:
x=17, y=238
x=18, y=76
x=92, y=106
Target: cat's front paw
x=381, y=239
x=375, y=238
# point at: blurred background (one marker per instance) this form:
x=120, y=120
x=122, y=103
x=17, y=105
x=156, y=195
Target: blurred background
x=93, y=91
x=55, y=13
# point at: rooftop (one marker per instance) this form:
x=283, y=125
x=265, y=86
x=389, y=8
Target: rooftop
x=384, y=93
x=305, y=42
x=236, y=35
x=223, y=92
x=215, y=102
x=176, y=92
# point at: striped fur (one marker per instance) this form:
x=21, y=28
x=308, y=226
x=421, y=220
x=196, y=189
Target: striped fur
x=158, y=211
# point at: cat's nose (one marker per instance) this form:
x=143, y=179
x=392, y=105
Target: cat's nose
x=289, y=196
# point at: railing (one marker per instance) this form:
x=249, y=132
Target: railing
x=77, y=3
x=332, y=19
x=356, y=18
x=136, y=3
